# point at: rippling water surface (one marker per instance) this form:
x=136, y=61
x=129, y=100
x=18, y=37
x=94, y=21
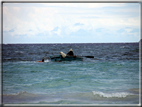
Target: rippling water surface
x=111, y=77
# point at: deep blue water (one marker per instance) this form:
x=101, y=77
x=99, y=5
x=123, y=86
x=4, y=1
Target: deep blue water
x=111, y=77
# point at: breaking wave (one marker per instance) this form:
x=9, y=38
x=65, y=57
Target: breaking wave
x=110, y=95
x=71, y=98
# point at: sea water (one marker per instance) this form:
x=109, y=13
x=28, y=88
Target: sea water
x=111, y=77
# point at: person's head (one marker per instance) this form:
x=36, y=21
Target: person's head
x=42, y=60
x=71, y=49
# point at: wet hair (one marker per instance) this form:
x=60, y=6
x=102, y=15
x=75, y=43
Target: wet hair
x=42, y=60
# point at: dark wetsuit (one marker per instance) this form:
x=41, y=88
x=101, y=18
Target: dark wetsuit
x=70, y=53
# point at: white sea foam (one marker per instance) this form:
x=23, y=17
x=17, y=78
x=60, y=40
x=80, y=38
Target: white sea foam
x=19, y=93
x=26, y=61
x=47, y=60
x=110, y=95
x=19, y=51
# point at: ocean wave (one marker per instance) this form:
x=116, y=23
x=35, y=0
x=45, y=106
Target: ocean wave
x=16, y=94
x=47, y=60
x=111, y=95
x=19, y=52
x=7, y=58
x=70, y=98
x=21, y=97
x=127, y=47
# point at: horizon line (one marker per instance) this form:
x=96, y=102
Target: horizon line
x=73, y=43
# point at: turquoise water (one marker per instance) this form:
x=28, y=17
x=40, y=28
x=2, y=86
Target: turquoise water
x=112, y=77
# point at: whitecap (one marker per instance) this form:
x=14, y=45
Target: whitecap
x=124, y=47
x=18, y=93
x=114, y=94
x=47, y=60
x=26, y=61
x=19, y=52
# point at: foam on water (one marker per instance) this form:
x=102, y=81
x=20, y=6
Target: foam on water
x=95, y=97
x=114, y=94
x=47, y=60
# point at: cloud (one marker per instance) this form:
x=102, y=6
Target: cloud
x=121, y=30
x=12, y=30
x=134, y=30
x=69, y=20
x=78, y=24
x=55, y=29
x=80, y=33
x=56, y=32
x=99, y=29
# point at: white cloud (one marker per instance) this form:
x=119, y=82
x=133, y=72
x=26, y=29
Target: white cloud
x=34, y=20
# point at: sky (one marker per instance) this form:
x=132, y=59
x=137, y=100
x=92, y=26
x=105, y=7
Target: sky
x=71, y=22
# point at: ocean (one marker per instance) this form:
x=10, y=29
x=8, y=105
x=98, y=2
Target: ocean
x=111, y=77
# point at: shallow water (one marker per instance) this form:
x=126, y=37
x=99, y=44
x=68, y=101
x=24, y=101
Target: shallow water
x=108, y=78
